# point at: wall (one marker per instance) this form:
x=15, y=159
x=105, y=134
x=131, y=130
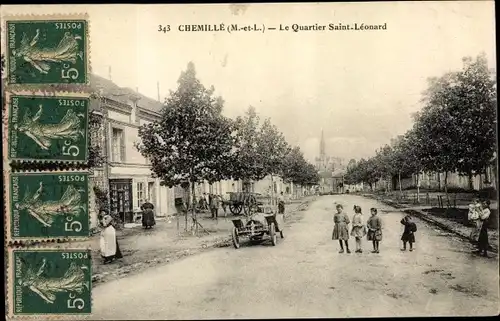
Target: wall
x=435, y=181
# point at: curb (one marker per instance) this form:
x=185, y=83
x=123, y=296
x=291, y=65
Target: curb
x=428, y=219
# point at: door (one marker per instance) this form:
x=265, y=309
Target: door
x=152, y=193
x=121, y=198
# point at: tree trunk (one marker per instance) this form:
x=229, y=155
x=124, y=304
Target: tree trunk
x=188, y=204
x=193, y=207
x=439, y=181
x=471, y=182
x=272, y=191
x=418, y=188
x=400, y=186
x=446, y=188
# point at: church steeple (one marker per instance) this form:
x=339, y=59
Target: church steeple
x=322, y=151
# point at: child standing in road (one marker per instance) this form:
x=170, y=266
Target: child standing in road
x=340, y=230
x=358, y=228
x=408, y=234
x=374, y=230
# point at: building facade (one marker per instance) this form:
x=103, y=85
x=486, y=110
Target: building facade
x=126, y=174
x=330, y=170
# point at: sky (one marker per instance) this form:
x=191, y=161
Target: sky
x=360, y=87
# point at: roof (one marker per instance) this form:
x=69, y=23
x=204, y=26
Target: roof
x=114, y=92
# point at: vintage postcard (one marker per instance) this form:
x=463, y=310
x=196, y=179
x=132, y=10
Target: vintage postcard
x=260, y=161
x=45, y=127
x=43, y=206
x=49, y=282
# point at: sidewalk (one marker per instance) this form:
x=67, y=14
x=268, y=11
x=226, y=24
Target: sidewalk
x=451, y=220
x=165, y=243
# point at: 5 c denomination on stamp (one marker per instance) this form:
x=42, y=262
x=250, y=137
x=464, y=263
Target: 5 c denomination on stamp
x=48, y=128
x=47, y=50
x=49, y=281
x=45, y=206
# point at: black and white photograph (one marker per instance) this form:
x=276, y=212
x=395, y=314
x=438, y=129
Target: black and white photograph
x=273, y=160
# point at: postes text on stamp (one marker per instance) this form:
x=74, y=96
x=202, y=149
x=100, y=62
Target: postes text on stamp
x=51, y=281
x=41, y=50
x=47, y=206
x=48, y=128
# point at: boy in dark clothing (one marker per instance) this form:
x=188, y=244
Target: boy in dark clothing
x=408, y=234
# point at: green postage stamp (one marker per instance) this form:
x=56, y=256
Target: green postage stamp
x=47, y=50
x=48, y=128
x=49, y=281
x=45, y=206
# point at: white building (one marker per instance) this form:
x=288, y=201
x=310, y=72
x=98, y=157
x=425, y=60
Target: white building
x=129, y=176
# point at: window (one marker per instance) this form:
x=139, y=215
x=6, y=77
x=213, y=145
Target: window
x=151, y=192
x=118, y=145
x=140, y=194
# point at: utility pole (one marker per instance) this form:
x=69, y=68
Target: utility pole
x=106, y=148
x=158, y=90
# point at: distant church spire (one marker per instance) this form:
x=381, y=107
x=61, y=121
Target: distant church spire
x=322, y=151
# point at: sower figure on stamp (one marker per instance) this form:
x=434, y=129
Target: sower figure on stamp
x=109, y=244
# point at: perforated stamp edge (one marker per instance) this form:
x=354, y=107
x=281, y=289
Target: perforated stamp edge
x=29, y=241
x=9, y=92
x=9, y=273
x=49, y=17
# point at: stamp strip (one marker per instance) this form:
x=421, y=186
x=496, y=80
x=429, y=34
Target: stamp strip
x=48, y=50
x=42, y=127
x=49, y=206
x=50, y=282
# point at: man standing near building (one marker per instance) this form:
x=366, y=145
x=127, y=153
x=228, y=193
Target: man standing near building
x=214, y=206
x=281, y=203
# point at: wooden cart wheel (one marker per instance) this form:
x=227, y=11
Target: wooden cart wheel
x=236, y=238
x=272, y=233
x=250, y=205
x=235, y=208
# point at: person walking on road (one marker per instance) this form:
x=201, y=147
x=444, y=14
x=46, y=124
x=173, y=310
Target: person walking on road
x=214, y=206
x=483, y=233
x=340, y=230
x=475, y=209
x=358, y=228
x=148, y=215
x=408, y=234
x=374, y=230
x=281, y=204
x=108, y=242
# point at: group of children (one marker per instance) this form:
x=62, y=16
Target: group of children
x=372, y=230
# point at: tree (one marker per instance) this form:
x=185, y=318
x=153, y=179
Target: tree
x=473, y=106
x=247, y=158
x=273, y=146
x=192, y=141
x=410, y=150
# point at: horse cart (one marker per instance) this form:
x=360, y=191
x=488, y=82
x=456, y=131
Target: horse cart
x=243, y=201
x=258, y=225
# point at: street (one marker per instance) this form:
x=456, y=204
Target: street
x=305, y=276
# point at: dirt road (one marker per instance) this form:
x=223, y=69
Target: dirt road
x=305, y=276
